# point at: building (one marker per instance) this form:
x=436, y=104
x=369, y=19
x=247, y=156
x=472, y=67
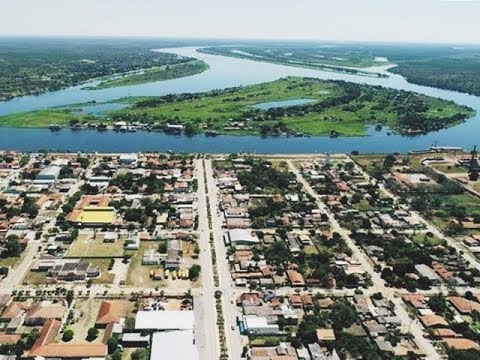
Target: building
x=427, y=272
x=151, y=257
x=74, y=271
x=96, y=216
x=50, y=173
x=295, y=278
x=164, y=320
x=39, y=313
x=110, y=311
x=254, y=324
x=174, y=345
x=240, y=237
x=128, y=159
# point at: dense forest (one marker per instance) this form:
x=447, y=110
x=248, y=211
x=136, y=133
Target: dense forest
x=31, y=67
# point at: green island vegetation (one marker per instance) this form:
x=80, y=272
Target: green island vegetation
x=339, y=109
x=162, y=73
x=348, y=61
x=30, y=67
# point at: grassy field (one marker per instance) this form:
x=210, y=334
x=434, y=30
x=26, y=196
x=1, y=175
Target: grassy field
x=9, y=261
x=421, y=238
x=476, y=186
x=84, y=246
x=156, y=74
x=36, y=278
x=449, y=169
x=138, y=274
x=40, y=119
x=105, y=276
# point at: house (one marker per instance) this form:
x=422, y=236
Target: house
x=110, y=311
x=427, y=272
x=296, y=301
x=295, y=278
x=433, y=321
x=461, y=344
x=110, y=237
x=14, y=309
x=325, y=335
x=463, y=305
x=157, y=274
x=249, y=299
x=40, y=312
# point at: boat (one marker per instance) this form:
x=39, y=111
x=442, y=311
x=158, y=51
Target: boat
x=55, y=127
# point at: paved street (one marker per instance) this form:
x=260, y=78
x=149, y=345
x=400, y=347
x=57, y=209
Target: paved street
x=378, y=284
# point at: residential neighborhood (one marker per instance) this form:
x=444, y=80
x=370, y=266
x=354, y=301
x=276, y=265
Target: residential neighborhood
x=178, y=256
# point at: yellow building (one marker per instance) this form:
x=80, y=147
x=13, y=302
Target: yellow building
x=93, y=215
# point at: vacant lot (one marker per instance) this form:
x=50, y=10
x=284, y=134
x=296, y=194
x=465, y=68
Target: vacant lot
x=139, y=275
x=105, y=276
x=36, y=278
x=85, y=246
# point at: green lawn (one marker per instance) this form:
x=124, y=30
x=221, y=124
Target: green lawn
x=421, y=238
x=39, y=119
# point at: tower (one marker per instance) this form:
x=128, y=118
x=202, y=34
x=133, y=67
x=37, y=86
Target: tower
x=474, y=166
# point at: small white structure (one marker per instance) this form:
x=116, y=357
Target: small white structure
x=128, y=159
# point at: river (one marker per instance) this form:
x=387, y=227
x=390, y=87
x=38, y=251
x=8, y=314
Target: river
x=225, y=72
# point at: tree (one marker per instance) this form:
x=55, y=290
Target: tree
x=194, y=272
x=112, y=344
x=12, y=246
x=68, y=335
x=69, y=297
x=437, y=303
x=345, y=315
x=92, y=334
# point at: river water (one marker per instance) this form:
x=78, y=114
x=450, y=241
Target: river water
x=225, y=72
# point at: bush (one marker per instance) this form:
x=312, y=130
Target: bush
x=68, y=335
x=92, y=334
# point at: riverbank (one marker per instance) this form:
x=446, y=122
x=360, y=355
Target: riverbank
x=154, y=74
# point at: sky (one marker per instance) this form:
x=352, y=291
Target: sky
x=435, y=21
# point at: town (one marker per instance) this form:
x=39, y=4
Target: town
x=263, y=257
